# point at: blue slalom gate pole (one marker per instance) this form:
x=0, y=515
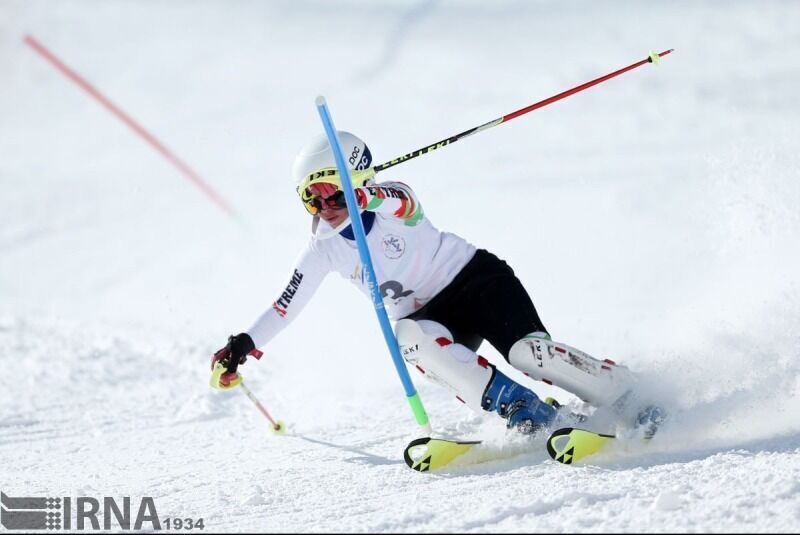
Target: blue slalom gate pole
x=369, y=272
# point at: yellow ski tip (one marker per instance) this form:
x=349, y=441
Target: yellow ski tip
x=569, y=445
x=428, y=454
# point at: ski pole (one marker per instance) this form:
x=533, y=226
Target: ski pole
x=651, y=58
x=369, y=271
x=278, y=427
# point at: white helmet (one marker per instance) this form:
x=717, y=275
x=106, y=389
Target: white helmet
x=317, y=155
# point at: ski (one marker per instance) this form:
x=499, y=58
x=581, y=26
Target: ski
x=426, y=454
x=569, y=444
x=566, y=445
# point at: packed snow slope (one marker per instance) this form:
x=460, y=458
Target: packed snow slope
x=653, y=218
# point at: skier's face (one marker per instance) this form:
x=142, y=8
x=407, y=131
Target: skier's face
x=333, y=216
x=332, y=209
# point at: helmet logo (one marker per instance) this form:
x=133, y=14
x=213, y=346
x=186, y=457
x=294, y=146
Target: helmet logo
x=364, y=163
x=354, y=156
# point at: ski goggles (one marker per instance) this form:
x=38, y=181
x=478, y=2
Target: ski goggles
x=313, y=203
x=317, y=203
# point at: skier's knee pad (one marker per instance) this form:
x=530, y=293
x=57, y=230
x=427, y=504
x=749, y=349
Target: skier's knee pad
x=429, y=346
x=600, y=383
x=412, y=339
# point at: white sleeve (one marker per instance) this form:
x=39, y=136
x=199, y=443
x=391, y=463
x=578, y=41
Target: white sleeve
x=311, y=268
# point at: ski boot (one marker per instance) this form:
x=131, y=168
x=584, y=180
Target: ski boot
x=522, y=409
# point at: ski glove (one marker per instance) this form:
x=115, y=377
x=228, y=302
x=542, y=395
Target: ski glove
x=232, y=355
x=327, y=196
x=323, y=189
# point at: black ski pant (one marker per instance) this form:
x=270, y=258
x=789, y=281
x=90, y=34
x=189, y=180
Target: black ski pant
x=485, y=301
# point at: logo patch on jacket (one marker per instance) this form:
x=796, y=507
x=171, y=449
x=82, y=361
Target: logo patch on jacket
x=393, y=246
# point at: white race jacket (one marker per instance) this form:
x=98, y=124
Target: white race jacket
x=413, y=260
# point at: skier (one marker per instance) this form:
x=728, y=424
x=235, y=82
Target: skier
x=446, y=296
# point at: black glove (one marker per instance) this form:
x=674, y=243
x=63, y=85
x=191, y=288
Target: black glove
x=235, y=352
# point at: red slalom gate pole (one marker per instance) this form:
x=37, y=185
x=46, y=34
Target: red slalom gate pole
x=184, y=168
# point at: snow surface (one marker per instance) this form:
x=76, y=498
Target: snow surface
x=654, y=219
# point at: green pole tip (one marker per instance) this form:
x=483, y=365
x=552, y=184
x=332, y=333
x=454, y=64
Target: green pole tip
x=417, y=408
